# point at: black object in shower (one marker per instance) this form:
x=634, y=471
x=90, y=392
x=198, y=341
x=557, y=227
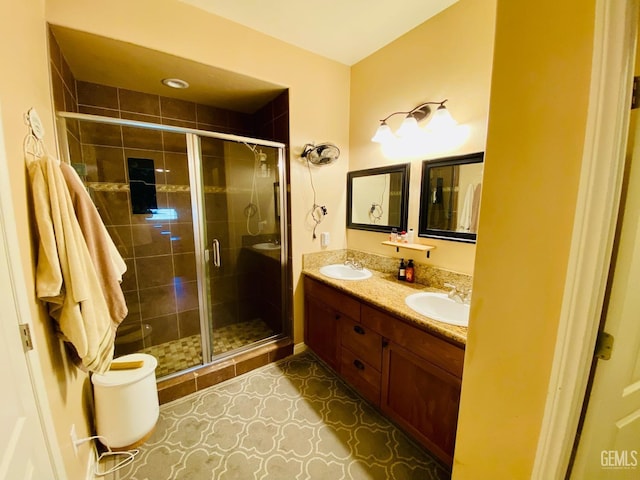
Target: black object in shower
x=142, y=185
x=438, y=197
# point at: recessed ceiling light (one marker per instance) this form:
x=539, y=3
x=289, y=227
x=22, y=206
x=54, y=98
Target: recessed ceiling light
x=175, y=83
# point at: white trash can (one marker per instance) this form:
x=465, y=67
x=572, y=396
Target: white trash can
x=126, y=403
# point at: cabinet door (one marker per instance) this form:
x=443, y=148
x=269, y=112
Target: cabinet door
x=421, y=397
x=321, y=331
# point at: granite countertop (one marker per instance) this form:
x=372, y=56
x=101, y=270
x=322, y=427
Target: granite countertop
x=387, y=293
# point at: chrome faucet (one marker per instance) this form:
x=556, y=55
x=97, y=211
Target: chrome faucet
x=459, y=295
x=353, y=264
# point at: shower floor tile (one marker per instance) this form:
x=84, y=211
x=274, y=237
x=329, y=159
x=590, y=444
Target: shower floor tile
x=186, y=352
x=238, y=335
x=176, y=355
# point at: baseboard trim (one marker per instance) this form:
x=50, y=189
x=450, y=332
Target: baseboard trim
x=299, y=348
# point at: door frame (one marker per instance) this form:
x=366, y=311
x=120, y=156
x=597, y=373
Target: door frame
x=595, y=220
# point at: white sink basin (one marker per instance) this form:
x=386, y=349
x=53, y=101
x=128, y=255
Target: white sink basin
x=267, y=246
x=344, y=272
x=439, y=307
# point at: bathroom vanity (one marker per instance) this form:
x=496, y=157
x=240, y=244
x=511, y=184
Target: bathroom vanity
x=408, y=367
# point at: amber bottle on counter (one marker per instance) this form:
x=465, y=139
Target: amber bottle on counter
x=410, y=272
x=402, y=271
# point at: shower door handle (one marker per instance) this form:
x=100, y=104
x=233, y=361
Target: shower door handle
x=216, y=252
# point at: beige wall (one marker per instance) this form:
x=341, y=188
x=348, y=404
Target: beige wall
x=539, y=99
x=447, y=57
x=24, y=83
x=319, y=92
x=319, y=102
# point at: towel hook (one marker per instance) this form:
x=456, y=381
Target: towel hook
x=33, y=145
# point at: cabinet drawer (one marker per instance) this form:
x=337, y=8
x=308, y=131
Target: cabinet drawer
x=437, y=351
x=361, y=375
x=328, y=295
x=362, y=341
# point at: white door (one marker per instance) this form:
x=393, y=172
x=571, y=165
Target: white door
x=21, y=438
x=609, y=446
x=23, y=450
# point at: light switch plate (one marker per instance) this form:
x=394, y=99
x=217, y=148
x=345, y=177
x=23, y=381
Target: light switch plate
x=324, y=239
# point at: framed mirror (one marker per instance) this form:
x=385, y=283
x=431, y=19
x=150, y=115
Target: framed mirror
x=450, y=197
x=378, y=198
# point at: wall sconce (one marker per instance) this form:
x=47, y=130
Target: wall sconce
x=409, y=127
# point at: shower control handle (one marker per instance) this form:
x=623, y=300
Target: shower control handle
x=215, y=246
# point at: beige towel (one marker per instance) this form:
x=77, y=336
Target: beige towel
x=107, y=261
x=65, y=276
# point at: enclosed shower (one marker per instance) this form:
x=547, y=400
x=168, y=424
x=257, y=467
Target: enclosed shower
x=200, y=219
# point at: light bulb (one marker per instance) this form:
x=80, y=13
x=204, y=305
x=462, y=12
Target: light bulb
x=409, y=127
x=441, y=119
x=175, y=83
x=383, y=134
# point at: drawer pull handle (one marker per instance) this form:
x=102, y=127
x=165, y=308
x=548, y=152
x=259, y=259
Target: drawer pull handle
x=337, y=316
x=358, y=364
x=358, y=329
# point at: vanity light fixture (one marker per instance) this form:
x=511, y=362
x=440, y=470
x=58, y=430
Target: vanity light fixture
x=409, y=127
x=175, y=83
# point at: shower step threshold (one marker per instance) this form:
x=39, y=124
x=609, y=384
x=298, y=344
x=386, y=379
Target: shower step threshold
x=208, y=375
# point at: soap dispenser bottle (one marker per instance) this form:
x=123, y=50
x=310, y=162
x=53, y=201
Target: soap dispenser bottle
x=410, y=272
x=402, y=271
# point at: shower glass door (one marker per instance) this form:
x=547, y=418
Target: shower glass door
x=197, y=220
x=138, y=179
x=243, y=243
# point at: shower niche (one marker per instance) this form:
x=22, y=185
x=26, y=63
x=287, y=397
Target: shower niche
x=190, y=194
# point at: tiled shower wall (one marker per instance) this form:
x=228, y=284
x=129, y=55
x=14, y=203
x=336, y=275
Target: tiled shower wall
x=160, y=285
x=62, y=80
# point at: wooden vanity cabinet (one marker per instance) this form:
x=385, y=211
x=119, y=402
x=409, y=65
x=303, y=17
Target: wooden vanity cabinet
x=421, y=380
x=324, y=308
x=414, y=377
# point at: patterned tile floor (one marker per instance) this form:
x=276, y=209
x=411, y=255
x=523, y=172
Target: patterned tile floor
x=186, y=352
x=291, y=420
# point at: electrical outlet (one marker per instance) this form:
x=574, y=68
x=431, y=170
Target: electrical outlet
x=262, y=226
x=74, y=439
